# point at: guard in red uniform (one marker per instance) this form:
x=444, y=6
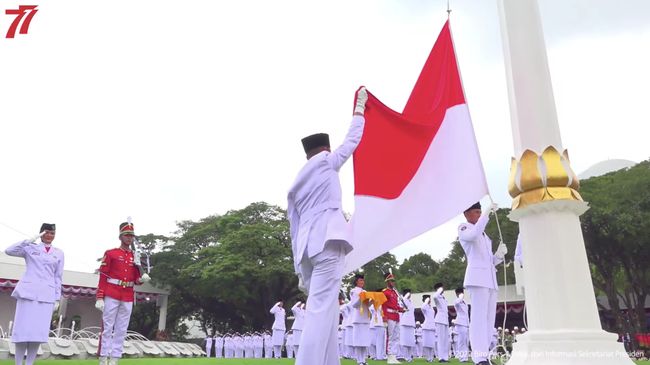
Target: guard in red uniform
x=118, y=273
x=391, y=310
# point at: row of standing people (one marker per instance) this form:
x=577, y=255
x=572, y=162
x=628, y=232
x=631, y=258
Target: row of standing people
x=363, y=322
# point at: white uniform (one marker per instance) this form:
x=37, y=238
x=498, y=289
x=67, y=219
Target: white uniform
x=347, y=331
x=239, y=346
x=248, y=347
x=289, y=345
x=218, y=346
x=428, y=330
x=418, y=340
x=208, y=346
x=377, y=322
x=278, y=329
x=360, y=325
x=407, y=329
x=258, y=345
x=228, y=349
x=268, y=346
x=481, y=282
x=320, y=240
x=462, y=330
x=442, y=326
x=298, y=324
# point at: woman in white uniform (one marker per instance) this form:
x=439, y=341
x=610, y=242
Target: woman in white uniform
x=38, y=292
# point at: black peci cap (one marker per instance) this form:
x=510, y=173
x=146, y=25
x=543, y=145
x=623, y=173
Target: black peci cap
x=315, y=140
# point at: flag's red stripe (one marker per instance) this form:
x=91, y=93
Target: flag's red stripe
x=393, y=144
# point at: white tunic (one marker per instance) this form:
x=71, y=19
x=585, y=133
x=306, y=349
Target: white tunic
x=462, y=314
x=314, y=202
x=442, y=312
x=478, y=249
x=278, y=312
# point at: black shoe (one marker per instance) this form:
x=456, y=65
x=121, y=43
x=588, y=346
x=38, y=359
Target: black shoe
x=484, y=362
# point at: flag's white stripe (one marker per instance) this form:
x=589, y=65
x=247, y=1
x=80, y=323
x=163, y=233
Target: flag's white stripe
x=449, y=180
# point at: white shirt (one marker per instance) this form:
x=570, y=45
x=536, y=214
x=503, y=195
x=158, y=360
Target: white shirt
x=478, y=249
x=314, y=201
x=279, y=314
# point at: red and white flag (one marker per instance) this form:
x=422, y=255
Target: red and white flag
x=415, y=170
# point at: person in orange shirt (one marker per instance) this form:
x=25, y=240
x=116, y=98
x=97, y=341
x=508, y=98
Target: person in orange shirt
x=118, y=273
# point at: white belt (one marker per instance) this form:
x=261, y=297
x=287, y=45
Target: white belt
x=389, y=310
x=124, y=284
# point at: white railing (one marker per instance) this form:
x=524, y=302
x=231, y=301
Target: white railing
x=85, y=333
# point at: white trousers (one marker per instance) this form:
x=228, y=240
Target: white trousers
x=393, y=337
x=442, y=342
x=462, y=342
x=268, y=352
x=484, y=311
x=380, y=343
x=258, y=352
x=208, y=350
x=289, y=351
x=360, y=354
x=319, y=339
x=115, y=321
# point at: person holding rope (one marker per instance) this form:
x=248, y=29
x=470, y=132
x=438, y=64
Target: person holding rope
x=37, y=293
x=118, y=274
x=480, y=278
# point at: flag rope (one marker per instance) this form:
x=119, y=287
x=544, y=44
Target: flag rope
x=505, y=296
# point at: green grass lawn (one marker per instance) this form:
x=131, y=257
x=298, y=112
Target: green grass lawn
x=212, y=361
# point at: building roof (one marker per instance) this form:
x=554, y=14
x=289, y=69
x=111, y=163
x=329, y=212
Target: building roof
x=12, y=269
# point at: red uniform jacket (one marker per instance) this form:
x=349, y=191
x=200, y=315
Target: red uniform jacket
x=117, y=264
x=391, y=307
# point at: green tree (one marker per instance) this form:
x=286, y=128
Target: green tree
x=617, y=238
x=375, y=270
x=420, y=269
x=227, y=271
x=451, y=270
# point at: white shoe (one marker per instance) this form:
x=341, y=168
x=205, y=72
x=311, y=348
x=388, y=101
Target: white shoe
x=112, y=361
x=392, y=359
x=103, y=360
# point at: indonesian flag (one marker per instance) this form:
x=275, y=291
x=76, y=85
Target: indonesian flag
x=415, y=170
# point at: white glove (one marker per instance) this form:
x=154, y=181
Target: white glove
x=298, y=303
x=362, y=98
x=33, y=239
x=439, y=291
x=461, y=296
x=493, y=207
x=427, y=301
x=56, y=306
x=501, y=251
x=99, y=304
x=145, y=278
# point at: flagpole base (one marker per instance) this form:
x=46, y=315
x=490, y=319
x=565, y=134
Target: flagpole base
x=568, y=347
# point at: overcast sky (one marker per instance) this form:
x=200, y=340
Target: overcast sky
x=175, y=110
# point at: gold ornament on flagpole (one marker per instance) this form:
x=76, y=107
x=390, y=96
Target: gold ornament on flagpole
x=537, y=178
